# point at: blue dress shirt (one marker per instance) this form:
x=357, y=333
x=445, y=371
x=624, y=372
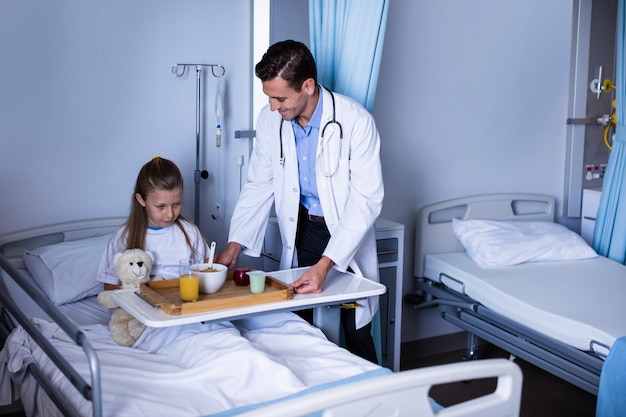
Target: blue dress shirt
x=306, y=150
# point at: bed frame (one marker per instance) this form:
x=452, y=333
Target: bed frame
x=12, y=246
x=407, y=394
x=404, y=392
x=435, y=234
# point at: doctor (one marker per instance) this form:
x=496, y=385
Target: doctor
x=316, y=158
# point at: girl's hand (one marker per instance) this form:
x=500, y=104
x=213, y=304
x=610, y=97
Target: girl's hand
x=110, y=287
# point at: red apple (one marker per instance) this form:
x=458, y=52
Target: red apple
x=240, y=276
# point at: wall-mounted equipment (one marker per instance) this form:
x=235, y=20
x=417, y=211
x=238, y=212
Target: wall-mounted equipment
x=598, y=86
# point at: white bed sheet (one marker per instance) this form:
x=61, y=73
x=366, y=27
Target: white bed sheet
x=575, y=302
x=86, y=311
x=83, y=312
x=195, y=369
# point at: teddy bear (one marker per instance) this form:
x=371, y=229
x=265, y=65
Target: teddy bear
x=133, y=267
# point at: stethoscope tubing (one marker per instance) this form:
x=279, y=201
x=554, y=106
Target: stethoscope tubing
x=330, y=122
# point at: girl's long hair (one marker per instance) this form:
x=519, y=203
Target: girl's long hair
x=157, y=174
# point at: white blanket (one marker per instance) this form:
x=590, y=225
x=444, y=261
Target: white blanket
x=189, y=370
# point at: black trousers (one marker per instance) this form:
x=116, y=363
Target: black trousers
x=311, y=240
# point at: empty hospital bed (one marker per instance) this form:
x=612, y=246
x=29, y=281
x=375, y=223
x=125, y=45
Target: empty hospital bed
x=496, y=266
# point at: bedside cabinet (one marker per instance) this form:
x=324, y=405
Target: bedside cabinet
x=390, y=249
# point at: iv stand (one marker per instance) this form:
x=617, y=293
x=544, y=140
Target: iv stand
x=204, y=174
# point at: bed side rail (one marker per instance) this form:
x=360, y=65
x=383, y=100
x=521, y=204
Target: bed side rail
x=407, y=393
x=575, y=366
x=91, y=392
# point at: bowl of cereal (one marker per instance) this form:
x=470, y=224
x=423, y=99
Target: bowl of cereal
x=211, y=279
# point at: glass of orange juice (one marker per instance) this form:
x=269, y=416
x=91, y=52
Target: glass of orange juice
x=189, y=286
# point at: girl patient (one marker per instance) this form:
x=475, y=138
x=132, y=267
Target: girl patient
x=155, y=224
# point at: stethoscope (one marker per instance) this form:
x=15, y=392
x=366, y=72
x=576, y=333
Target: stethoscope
x=330, y=122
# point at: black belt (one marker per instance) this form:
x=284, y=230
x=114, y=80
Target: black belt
x=310, y=217
x=317, y=219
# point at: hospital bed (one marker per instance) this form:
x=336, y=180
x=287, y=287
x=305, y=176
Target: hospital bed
x=59, y=358
x=498, y=267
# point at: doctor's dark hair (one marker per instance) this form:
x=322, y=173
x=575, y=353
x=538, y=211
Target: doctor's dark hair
x=290, y=60
x=157, y=174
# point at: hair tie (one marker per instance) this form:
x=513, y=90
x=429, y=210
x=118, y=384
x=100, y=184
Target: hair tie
x=156, y=156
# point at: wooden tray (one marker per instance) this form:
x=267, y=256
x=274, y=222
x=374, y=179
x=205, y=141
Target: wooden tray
x=166, y=294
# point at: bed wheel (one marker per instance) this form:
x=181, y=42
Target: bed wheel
x=414, y=299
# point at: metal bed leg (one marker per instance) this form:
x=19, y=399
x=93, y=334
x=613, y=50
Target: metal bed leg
x=471, y=352
x=328, y=319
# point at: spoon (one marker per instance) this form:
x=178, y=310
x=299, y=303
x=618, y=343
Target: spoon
x=211, y=255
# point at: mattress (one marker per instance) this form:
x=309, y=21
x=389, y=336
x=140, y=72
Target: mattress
x=532, y=294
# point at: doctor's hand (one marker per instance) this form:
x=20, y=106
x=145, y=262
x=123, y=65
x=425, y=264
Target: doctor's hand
x=229, y=255
x=313, y=278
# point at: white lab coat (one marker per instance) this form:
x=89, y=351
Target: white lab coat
x=351, y=199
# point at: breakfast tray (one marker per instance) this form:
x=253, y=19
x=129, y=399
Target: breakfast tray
x=165, y=294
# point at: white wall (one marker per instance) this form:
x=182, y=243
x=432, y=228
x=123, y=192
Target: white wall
x=472, y=99
x=88, y=97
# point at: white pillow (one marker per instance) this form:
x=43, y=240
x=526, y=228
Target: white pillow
x=494, y=244
x=66, y=271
